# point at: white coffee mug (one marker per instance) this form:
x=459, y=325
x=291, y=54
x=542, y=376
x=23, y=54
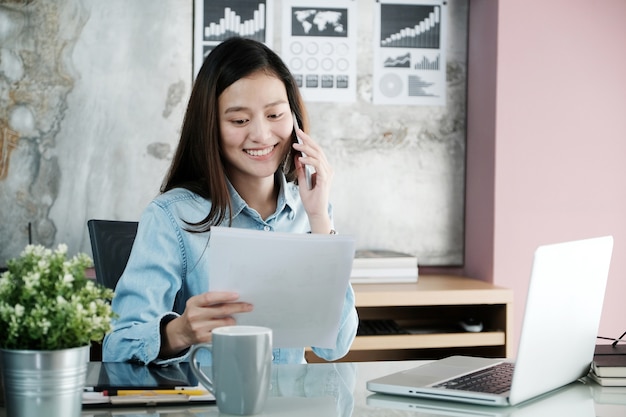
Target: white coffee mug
x=241, y=368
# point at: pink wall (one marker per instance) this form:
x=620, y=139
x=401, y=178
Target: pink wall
x=546, y=138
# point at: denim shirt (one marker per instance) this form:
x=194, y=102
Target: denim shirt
x=168, y=265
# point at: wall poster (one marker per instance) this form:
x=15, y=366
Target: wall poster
x=410, y=52
x=319, y=47
x=217, y=20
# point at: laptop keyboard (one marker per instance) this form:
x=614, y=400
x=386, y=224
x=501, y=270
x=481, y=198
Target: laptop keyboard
x=493, y=380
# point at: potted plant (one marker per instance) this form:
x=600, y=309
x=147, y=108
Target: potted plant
x=50, y=312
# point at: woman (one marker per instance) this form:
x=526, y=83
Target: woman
x=236, y=165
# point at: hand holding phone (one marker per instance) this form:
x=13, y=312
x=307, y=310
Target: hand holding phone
x=308, y=169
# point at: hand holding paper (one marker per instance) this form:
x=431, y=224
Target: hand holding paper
x=296, y=282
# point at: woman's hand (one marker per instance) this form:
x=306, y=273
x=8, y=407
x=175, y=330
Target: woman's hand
x=203, y=313
x=315, y=200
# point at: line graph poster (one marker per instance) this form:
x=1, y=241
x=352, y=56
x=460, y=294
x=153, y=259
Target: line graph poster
x=409, y=53
x=319, y=47
x=218, y=20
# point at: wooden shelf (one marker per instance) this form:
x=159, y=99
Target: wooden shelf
x=429, y=341
x=431, y=290
x=435, y=304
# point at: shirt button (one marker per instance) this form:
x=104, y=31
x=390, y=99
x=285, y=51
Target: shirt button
x=267, y=228
x=291, y=215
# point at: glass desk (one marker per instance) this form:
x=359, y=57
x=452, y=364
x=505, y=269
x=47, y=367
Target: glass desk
x=338, y=390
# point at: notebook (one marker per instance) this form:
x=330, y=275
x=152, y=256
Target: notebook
x=559, y=330
x=144, y=385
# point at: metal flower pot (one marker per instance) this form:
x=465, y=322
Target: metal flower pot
x=44, y=383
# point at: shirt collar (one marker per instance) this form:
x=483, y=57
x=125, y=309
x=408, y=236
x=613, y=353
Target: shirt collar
x=286, y=196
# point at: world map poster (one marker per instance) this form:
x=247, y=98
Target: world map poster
x=319, y=47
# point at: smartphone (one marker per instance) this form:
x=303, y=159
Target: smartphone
x=308, y=169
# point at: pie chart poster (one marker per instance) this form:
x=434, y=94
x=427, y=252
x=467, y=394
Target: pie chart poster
x=409, y=53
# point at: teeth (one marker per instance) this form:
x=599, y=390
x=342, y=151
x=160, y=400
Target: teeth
x=261, y=152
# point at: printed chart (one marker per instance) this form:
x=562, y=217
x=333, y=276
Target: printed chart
x=319, y=47
x=218, y=20
x=409, y=53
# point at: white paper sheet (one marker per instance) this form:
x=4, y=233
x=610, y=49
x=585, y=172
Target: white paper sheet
x=218, y=20
x=319, y=45
x=296, y=282
x=410, y=52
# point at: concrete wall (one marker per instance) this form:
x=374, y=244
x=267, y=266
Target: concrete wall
x=92, y=95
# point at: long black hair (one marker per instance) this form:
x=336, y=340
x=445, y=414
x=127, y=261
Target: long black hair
x=197, y=163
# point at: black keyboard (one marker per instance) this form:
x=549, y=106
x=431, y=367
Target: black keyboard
x=378, y=327
x=494, y=380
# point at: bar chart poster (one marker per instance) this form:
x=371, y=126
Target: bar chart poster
x=409, y=53
x=218, y=20
x=319, y=47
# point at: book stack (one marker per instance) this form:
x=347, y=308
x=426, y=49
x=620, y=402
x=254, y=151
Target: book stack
x=609, y=365
x=383, y=266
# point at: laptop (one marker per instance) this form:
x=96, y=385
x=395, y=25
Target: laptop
x=561, y=320
x=573, y=400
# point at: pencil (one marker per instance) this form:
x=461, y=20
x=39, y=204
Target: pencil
x=182, y=391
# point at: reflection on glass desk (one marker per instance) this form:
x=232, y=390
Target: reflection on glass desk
x=338, y=390
x=571, y=401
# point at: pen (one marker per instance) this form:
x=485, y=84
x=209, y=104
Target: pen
x=124, y=392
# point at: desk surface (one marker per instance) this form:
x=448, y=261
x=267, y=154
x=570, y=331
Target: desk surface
x=338, y=390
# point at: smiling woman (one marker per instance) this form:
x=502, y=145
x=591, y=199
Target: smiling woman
x=236, y=165
x=256, y=130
